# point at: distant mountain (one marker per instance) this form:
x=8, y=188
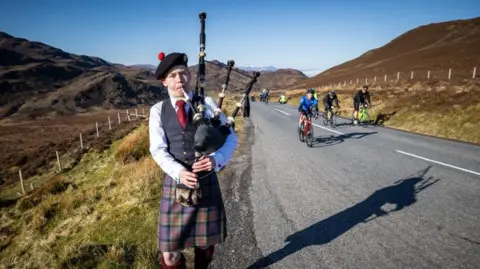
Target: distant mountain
x=145, y=66
x=40, y=80
x=252, y=68
x=311, y=72
x=273, y=80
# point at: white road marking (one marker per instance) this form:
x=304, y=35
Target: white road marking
x=325, y=128
x=437, y=162
x=330, y=130
x=281, y=111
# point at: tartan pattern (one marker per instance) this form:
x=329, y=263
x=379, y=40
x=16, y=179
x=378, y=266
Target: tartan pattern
x=182, y=227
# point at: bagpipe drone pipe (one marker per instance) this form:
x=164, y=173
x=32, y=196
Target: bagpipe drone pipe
x=210, y=134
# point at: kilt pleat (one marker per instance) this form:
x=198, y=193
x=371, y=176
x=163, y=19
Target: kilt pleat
x=183, y=227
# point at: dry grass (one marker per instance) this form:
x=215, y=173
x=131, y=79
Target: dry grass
x=102, y=213
x=134, y=146
x=439, y=109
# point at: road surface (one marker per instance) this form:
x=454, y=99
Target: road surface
x=360, y=198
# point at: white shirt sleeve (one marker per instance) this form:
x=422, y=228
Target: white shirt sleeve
x=223, y=155
x=158, y=145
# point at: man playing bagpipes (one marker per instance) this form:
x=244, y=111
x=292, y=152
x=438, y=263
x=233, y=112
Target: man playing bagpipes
x=172, y=132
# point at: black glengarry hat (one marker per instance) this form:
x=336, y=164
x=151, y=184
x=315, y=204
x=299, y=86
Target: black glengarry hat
x=169, y=61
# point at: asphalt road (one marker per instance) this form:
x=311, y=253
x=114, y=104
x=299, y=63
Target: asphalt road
x=360, y=198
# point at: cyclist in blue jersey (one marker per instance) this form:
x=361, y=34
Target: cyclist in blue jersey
x=306, y=103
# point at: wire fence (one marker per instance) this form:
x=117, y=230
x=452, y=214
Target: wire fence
x=449, y=74
x=85, y=139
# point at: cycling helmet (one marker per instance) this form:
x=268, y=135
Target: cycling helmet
x=311, y=90
x=331, y=92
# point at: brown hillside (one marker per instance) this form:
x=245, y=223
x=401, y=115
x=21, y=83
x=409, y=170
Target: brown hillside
x=39, y=80
x=436, y=47
x=216, y=72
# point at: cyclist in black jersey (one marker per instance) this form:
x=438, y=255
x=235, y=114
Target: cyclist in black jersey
x=361, y=98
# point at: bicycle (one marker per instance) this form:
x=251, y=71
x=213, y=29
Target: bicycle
x=328, y=116
x=266, y=99
x=305, y=131
x=363, y=117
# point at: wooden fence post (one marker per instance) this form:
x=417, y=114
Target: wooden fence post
x=58, y=161
x=96, y=125
x=119, y=121
x=474, y=72
x=375, y=79
x=398, y=76
x=136, y=114
x=81, y=141
x=109, y=124
x=385, y=79
x=366, y=80
x=428, y=74
x=357, y=80
x=449, y=73
x=21, y=181
x=143, y=111
x=411, y=75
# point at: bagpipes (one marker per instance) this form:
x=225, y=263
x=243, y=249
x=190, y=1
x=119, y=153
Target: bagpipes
x=210, y=134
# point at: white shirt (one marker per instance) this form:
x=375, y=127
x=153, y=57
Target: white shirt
x=158, y=140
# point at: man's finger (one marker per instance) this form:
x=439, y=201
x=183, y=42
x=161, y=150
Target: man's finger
x=190, y=174
x=191, y=180
x=200, y=162
x=206, y=167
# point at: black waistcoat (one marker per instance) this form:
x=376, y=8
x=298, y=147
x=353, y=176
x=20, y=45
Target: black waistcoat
x=180, y=141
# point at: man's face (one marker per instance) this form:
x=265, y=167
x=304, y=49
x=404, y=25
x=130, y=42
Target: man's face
x=364, y=90
x=309, y=96
x=177, y=78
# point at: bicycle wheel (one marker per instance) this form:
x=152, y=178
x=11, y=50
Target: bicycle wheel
x=333, y=121
x=300, y=133
x=325, y=118
x=362, y=119
x=309, y=138
x=366, y=119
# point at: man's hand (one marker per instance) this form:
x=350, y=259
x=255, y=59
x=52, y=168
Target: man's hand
x=206, y=163
x=188, y=178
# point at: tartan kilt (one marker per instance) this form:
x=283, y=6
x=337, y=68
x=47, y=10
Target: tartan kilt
x=183, y=227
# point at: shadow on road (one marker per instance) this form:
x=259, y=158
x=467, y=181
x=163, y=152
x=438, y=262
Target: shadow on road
x=325, y=141
x=401, y=194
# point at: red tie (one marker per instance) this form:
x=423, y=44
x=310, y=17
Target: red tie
x=181, y=114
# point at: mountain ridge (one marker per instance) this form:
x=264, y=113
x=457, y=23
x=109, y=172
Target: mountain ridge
x=38, y=80
x=435, y=46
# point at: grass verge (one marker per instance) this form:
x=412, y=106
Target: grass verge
x=102, y=213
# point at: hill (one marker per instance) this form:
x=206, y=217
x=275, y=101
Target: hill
x=39, y=80
x=275, y=80
x=436, y=47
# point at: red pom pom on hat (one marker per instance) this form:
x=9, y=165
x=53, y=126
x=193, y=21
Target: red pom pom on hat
x=161, y=56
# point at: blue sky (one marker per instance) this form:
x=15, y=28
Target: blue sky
x=287, y=34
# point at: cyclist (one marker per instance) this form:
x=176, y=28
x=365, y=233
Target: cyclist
x=360, y=99
x=306, y=103
x=265, y=93
x=283, y=99
x=328, y=101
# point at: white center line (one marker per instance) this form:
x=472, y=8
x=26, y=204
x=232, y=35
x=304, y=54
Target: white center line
x=314, y=124
x=437, y=162
x=325, y=128
x=281, y=111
